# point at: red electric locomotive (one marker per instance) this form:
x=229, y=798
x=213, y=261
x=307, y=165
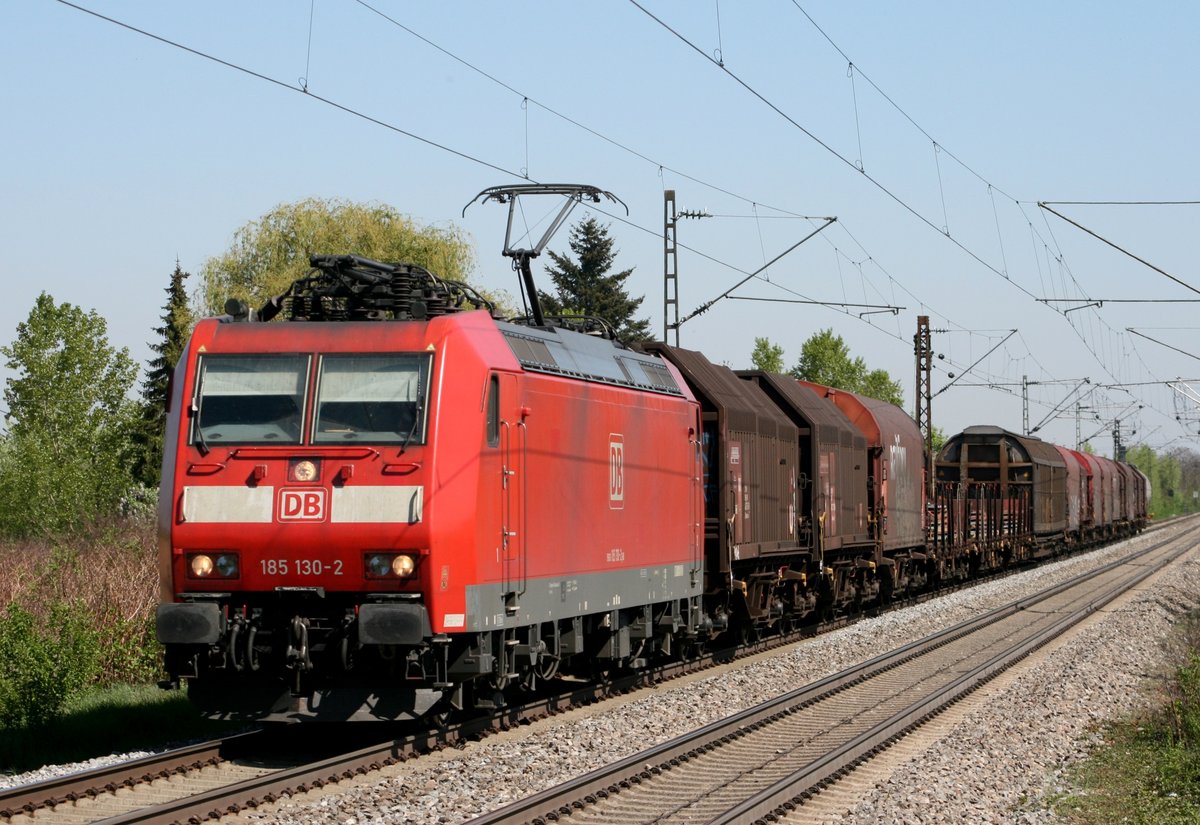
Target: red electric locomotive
x=392, y=505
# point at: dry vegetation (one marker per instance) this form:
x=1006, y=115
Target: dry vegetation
x=78, y=611
x=111, y=569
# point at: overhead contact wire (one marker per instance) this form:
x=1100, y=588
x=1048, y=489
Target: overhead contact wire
x=875, y=182
x=284, y=85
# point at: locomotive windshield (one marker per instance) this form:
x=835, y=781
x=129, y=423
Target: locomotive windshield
x=377, y=399
x=250, y=399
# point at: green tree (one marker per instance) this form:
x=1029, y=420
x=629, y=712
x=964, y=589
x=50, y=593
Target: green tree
x=268, y=254
x=586, y=286
x=1188, y=493
x=939, y=439
x=172, y=337
x=1174, y=479
x=825, y=359
x=878, y=384
x=767, y=356
x=68, y=454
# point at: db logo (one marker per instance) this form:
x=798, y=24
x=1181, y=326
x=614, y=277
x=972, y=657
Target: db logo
x=302, y=505
x=616, y=471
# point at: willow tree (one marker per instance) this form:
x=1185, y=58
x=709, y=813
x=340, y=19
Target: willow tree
x=269, y=253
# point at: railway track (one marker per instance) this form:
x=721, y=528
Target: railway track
x=763, y=763
x=211, y=779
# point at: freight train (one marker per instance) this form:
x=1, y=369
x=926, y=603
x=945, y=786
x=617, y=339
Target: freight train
x=390, y=505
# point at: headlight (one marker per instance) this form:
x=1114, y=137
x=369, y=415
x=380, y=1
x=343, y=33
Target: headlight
x=390, y=565
x=304, y=470
x=213, y=566
x=202, y=566
x=403, y=566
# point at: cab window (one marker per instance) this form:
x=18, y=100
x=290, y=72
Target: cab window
x=374, y=399
x=250, y=399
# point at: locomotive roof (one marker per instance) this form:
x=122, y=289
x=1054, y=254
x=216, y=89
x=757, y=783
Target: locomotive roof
x=588, y=357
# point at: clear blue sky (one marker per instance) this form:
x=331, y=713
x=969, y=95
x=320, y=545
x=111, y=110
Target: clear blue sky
x=122, y=154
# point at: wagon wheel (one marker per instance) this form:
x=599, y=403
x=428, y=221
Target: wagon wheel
x=785, y=625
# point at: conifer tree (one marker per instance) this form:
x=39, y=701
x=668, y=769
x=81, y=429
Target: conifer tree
x=172, y=336
x=585, y=286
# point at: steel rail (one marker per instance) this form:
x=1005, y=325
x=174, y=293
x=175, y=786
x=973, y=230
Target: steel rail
x=25, y=799
x=559, y=801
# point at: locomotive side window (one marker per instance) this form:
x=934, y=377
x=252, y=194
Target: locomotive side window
x=250, y=399
x=376, y=399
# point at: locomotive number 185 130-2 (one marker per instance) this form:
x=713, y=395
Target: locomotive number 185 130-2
x=300, y=567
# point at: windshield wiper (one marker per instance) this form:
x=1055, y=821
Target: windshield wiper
x=413, y=429
x=200, y=442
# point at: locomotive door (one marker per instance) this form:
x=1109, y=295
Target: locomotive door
x=513, y=450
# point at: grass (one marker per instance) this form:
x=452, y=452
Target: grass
x=108, y=720
x=1148, y=770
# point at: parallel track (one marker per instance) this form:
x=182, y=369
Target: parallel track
x=761, y=764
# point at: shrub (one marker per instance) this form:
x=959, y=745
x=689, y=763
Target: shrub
x=45, y=662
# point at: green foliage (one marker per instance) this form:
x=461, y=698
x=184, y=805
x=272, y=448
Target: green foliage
x=44, y=664
x=1174, y=479
x=270, y=253
x=107, y=573
x=130, y=653
x=939, y=439
x=587, y=287
x=825, y=359
x=767, y=356
x=67, y=455
x=172, y=334
x=878, y=384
